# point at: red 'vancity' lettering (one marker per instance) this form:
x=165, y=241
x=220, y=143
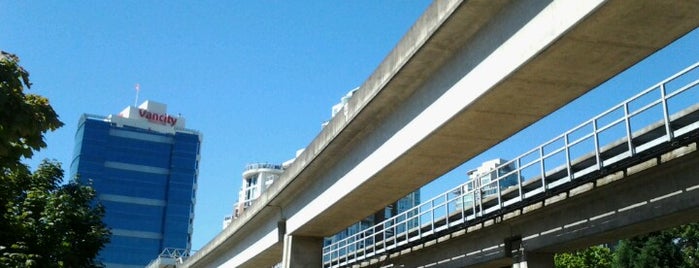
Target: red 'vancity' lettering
x=165, y=119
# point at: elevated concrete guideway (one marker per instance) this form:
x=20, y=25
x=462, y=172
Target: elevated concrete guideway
x=652, y=195
x=468, y=75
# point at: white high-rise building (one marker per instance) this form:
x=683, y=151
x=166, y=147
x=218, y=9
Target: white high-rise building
x=484, y=178
x=257, y=178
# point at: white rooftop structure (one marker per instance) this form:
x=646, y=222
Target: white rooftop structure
x=149, y=115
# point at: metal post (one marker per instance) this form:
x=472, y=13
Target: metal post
x=629, y=138
x=497, y=184
x=567, y=152
x=519, y=178
x=596, y=140
x=543, y=167
x=666, y=114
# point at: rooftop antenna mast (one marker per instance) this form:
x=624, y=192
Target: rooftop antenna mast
x=138, y=89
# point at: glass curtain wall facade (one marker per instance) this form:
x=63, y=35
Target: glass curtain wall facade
x=400, y=206
x=146, y=179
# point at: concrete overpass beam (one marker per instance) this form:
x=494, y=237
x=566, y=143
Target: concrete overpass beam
x=302, y=251
x=468, y=75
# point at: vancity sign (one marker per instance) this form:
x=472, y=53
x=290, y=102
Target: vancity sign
x=164, y=119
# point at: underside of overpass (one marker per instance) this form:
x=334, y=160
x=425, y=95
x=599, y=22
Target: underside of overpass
x=655, y=194
x=455, y=46
x=610, y=40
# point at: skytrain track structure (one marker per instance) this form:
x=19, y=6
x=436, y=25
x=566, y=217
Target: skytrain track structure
x=655, y=121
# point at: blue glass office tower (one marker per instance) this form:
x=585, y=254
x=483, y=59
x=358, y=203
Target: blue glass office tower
x=143, y=164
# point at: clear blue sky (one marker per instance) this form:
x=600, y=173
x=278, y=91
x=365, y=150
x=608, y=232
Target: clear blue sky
x=257, y=78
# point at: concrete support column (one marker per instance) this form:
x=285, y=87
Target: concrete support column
x=302, y=251
x=534, y=260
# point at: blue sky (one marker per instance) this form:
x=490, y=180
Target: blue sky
x=257, y=78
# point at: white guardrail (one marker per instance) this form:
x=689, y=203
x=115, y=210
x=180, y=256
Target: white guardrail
x=658, y=117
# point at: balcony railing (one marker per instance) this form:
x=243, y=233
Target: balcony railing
x=263, y=165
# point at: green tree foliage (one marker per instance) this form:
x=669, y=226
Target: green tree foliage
x=688, y=242
x=43, y=223
x=597, y=256
x=52, y=225
x=677, y=247
x=24, y=118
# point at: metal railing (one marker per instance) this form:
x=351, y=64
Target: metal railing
x=644, y=124
x=263, y=166
x=169, y=257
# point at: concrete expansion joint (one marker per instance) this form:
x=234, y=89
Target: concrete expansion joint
x=443, y=238
x=417, y=247
x=555, y=198
x=642, y=166
x=512, y=214
x=489, y=222
x=458, y=233
x=609, y=178
x=678, y=152
x=474, y=227
x=581, y=189
x=532, y=207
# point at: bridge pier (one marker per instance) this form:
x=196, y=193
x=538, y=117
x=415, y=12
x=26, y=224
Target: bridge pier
x=534, y=259
x=302, y=251
x=522, y=258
